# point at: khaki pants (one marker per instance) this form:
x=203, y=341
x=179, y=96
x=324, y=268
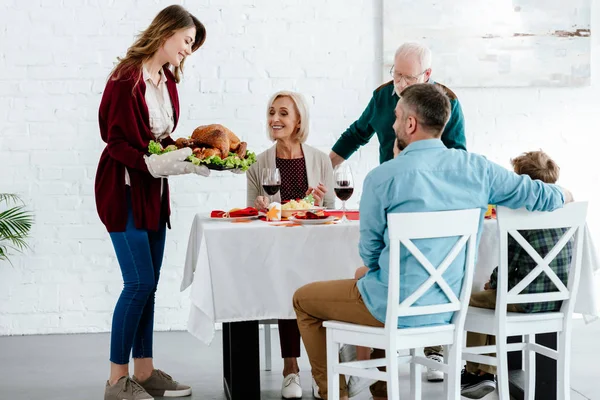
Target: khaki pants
x=485, y=299
x=331, y=300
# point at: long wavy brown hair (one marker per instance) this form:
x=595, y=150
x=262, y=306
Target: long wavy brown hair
x=164, y=25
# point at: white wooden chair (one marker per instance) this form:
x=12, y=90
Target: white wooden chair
x=402, y=229
x=502, y=324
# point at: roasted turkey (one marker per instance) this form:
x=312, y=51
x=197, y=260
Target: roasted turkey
x=214, y=139
x=210, y=140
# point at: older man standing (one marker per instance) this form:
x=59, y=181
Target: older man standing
x=412, y=64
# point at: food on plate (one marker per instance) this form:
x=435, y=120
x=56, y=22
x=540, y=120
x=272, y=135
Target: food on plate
x=491, y=212
x=306, y=203
x=296, y=205
x=219, y=137
x=311, y=215
x=202, y=153
x=213, y=145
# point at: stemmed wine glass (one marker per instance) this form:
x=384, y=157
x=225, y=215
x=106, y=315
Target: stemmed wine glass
x=344, y=186
x=271, y=181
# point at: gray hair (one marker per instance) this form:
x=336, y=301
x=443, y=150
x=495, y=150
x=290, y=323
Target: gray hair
x=301, y=109
x=420, y=51
x=430, y=104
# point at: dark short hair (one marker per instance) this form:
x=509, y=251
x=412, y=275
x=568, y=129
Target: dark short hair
x=430, y=104
x=538, y=165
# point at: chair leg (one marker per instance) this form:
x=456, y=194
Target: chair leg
x=446, y=354
x=415, y=378
x=563, y=384
x=393, y=387
x=333, y=377
x=502, y=369
x=267, y=328
x=529, y=368
x=454, y=361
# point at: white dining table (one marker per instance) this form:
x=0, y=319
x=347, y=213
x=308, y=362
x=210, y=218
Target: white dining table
x=249, y=271
x=240, y=273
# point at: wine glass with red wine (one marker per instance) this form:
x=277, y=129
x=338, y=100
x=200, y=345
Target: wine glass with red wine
x=344, y=186
x=271, y=181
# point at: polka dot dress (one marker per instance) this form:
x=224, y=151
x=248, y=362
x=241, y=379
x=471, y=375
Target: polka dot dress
x=294, y=182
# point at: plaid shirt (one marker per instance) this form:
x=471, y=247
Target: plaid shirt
x=520, y=264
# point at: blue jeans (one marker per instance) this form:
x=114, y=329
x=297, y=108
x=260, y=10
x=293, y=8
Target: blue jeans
x=140, y=254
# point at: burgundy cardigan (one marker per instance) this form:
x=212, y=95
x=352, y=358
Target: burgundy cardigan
x=125, y=128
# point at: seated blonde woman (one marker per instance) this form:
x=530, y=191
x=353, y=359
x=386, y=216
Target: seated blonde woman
x=304, y=170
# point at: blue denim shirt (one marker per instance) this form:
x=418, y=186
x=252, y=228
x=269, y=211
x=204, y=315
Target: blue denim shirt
x=427, y=176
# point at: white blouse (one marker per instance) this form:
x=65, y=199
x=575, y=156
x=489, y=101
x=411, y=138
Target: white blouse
x=160, y=108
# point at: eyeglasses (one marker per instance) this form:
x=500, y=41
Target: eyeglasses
x=407, y=78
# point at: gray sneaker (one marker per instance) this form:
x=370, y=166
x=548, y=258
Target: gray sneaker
x=162, y=385
x=125, y=389
x=356, y=384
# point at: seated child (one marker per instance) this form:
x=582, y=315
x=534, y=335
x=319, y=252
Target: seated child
x=478, y=379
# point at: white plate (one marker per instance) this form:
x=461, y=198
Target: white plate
x=311, y=221
x=235, y=219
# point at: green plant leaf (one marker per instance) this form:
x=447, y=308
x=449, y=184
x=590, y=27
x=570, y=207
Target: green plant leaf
x=10, y=198
x=4, y=254
x=15, y=224
x=19, y=244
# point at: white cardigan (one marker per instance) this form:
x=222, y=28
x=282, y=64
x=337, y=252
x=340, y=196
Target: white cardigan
x=318, y=169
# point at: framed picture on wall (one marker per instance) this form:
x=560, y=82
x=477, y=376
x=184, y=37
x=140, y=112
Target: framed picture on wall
x=495, y=43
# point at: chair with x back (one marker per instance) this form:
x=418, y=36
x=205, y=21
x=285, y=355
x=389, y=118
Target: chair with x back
x=403, y=229
x=501, y=323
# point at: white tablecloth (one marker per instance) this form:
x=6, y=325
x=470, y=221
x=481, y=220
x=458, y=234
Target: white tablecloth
x=249, y=271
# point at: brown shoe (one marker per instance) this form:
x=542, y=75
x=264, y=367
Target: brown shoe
x=160, y=384
x=126, y=389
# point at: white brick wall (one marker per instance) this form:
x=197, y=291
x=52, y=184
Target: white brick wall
x=53, y=65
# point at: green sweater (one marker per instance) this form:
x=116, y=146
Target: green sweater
x=379, y=117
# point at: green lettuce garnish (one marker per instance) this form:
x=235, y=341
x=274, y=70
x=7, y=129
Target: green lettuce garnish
x=193, y=159
x=309, y=199
x=233, y=161
x=155, y=148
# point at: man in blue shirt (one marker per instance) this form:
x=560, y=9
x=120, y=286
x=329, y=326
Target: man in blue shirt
x=412, y=65
x=426, y=176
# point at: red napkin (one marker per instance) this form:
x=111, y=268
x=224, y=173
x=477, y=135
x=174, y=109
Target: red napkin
x=246, y=212
x=351, y=215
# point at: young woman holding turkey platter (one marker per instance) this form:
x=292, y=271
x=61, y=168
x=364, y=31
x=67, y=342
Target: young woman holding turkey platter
x=140, y=105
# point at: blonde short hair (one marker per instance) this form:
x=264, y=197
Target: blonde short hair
x=301, y=109
x=538, y=165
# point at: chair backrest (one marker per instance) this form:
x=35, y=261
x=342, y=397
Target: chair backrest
x=572, y=218
x=405, y=227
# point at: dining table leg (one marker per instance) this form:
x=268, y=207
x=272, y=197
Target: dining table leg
x=545, y=373
x=241, y=364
